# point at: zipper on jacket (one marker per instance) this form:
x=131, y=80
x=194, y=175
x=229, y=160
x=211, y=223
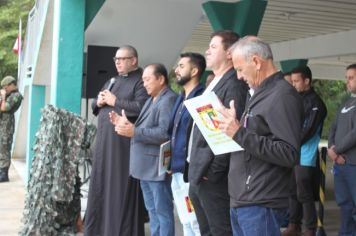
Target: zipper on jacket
x=248, y=182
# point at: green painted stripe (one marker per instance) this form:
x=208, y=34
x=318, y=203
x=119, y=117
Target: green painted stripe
x=242, y=17
x=37, y=96
x=288, y=65
x=68, y=48
x=92, y=8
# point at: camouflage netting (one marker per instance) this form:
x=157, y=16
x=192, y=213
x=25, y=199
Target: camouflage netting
x=52, y=203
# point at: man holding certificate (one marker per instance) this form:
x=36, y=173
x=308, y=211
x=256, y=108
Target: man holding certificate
x=208, y=173
x=270, y=133
x=189, y=70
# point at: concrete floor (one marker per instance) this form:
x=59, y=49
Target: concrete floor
x=12, y=201
x=12, y=195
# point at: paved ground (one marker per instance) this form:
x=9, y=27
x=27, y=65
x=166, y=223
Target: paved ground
x=12, y=202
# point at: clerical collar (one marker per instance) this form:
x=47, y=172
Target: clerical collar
x=126, y=75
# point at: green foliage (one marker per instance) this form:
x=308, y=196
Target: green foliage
x=11, y=12
x=333, y=93
x=172, y=82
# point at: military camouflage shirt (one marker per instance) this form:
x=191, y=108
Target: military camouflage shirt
x=7, y=118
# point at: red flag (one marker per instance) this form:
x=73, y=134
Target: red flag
x=16, y=47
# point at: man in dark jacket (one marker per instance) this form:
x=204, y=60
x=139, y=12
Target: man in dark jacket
x=114, y=200
x=342, y=150
x=189, y=70
x=301, y=201
x=269, y=132
x=208, y=188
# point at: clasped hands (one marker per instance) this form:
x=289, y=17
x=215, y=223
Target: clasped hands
x=122, y=125
x=228, y=123
x=106, y=98
x=339, y=159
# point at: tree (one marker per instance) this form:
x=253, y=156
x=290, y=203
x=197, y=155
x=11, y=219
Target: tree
x=333, y=93
x=11, y=12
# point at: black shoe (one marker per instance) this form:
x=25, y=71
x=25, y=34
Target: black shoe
x=4, y=177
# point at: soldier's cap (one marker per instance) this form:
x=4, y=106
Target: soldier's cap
x=7, y=80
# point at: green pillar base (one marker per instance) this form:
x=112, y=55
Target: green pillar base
x=242, y=17
x=92, y=8
x=288, y=65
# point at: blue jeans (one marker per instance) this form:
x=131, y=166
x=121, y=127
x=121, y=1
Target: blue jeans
x=256, y=221
x=159, y=204
x=345, y=195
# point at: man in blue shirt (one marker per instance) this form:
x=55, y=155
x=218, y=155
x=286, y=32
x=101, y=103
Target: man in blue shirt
x=188, y=73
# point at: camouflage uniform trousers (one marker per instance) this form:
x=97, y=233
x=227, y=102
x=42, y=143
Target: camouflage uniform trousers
x=6, y=137
x=7, y=127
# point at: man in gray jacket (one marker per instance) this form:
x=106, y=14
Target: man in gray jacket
x=147, y=134
x=342, y=150
x=269, y=132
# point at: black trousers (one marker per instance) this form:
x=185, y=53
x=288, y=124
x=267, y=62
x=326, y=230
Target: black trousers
x=301, y=201
x=211, y=202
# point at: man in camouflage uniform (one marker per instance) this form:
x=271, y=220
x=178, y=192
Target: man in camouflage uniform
x=10, y=101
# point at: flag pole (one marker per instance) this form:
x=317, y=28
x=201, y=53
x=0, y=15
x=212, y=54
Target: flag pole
x=20, y=50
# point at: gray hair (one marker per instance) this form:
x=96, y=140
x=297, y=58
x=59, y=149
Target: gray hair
x=132, y=51
x=252, y=45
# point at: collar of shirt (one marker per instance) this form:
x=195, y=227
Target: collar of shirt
x=251, y=91
x=212, y=85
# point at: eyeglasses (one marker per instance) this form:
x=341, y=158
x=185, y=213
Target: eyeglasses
x=121, y=58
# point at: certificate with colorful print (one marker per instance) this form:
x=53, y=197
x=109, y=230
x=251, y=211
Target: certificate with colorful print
x=164, y=157
x=203, y=111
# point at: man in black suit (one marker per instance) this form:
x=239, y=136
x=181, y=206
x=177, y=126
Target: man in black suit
x=208, y=174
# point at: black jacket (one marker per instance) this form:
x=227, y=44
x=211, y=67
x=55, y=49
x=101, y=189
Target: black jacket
x=203, y=163
x=314, y=114
x=260, y=174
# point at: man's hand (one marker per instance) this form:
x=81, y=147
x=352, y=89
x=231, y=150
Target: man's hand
x=331, y=153
x=114, y=117
x=100, y=100
x=109, y=98
x=3, y=93
x=229, y=124
x=340, y=159
x=124, y=127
